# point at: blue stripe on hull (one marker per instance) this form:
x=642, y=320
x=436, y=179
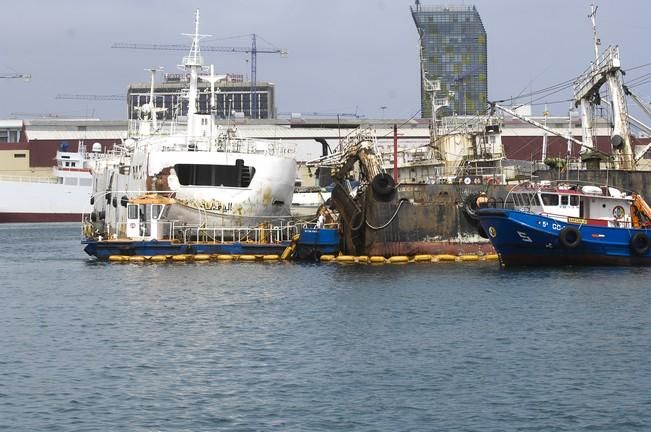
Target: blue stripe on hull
x=104, y=249
x=528, y=239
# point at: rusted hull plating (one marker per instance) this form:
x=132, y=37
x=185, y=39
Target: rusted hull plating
x=416, y=219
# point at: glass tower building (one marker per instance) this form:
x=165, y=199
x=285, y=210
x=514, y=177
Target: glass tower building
x=453, y=51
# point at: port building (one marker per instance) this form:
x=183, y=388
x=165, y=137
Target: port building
x=233, y=98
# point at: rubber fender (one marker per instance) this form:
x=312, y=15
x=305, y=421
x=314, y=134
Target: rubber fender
x=270, y=257
x=470, y=205
x=327, y=258
x=345, y=258
x=640, y=243
x=491, y=257
x=469, y=258
x=377, y=259
x=383, y=185
x=180, y=257
x=362, y=259
x=158, y=258
x=247, y=257
x=398, y=259
x=225, y=257
x=117, y=258
x=288, y=252
x=201, y=257
x=446, y=257
x=423, y=258
x=136, y=258
x=570, y=237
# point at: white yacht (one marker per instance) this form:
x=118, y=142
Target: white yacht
x=215, y=177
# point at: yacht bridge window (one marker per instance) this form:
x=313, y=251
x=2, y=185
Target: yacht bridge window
x=237, y=175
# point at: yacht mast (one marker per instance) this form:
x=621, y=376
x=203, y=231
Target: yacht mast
x=193, y=63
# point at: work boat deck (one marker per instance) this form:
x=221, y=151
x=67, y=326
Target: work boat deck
x=148, y=232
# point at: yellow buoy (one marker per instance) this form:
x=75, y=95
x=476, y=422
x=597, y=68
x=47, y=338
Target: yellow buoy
x=327, y=258
x=345, y=258
x=469, y=257
x=289, y=250
x=224, y=257
x=270, y=257
x=201, y=257
x=398, y=259
x=423, y=258
x=446, y=257
x=158, y=258
x=247, y=257
x=362, y=259
x=491, y=257
x=376, y=259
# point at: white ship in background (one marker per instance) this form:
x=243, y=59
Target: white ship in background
x=213, y=176
x=64, y=197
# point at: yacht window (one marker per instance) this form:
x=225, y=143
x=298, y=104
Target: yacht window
x=132, y=211
x=574, y=200
x=238, y=175
x=156, y=211
x=565, y=200
x=536, y=200
x=549, y=199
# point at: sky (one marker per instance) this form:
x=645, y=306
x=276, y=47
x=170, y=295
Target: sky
x=344, y=56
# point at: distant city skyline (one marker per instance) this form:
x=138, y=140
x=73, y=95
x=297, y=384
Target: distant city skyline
x=357, y=57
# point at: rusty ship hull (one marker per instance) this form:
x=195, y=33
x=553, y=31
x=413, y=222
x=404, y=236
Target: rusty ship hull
x=415, y=219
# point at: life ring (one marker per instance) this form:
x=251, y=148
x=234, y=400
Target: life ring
x=619, y=212
x=569, y=237
x=640, y=243
x=132, y=225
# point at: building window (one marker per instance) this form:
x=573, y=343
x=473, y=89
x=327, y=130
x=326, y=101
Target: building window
x=20, y=155
x=9, y=135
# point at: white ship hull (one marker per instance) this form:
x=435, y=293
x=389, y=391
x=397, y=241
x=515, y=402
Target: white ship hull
x=42, y=202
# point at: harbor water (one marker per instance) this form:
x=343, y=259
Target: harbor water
x=231, y=346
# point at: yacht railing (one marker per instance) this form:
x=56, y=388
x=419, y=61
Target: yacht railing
x=177, y=231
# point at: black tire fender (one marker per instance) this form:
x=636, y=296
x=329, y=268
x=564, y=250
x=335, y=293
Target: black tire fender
x=383, y=185
x=640, y=243
x=570, y=237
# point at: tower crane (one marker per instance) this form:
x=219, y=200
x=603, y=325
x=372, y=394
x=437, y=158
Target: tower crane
x=23, y=76
x=253, y=50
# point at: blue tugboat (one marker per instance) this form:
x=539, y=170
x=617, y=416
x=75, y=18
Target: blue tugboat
x=568, y=224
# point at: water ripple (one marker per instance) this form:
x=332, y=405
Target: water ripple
x=238, y=347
